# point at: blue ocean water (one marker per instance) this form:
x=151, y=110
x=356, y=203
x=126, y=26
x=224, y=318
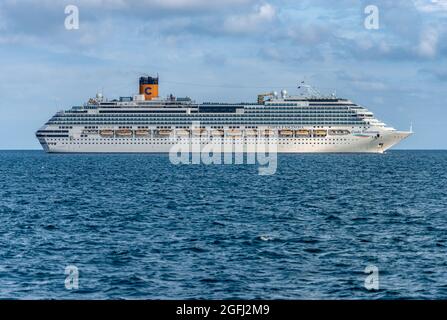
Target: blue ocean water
x=138, y=227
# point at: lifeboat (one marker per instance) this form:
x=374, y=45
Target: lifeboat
x=286, y=132
x=234, y=133
x=251, y=133
x=164, y=132
x=302, y=132
x=217, y=133
x=320, y=133
x=268, y=133
x=106, y=133
x=89, y=131
x=339, y=132
x=141, y=133
x=182, y=133
x=123, y=133
x=199, y=132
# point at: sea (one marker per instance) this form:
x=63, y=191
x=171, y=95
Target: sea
x=137, y=226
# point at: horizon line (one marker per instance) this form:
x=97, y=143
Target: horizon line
x=296, y=153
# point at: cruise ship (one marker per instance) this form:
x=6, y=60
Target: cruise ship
x=145, y=122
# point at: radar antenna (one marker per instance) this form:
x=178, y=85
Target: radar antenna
x=310, y=91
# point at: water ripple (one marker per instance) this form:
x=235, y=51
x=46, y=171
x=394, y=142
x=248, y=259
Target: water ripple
x=138, y=227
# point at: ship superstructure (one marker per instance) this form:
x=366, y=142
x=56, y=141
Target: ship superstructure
x=147, y=123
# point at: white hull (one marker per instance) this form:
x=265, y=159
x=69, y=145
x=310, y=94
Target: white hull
x=345, y=144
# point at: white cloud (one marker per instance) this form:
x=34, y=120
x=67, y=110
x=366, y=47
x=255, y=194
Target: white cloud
x=193, y=4
x=251, y=22
x=175, y=5
x=431, y=5
x=161, y=4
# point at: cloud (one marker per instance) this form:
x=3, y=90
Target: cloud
x=283, y=30
x=431, y=5
x=129, y=4
x=191, y=4
x=435, y=74
x=252, y=22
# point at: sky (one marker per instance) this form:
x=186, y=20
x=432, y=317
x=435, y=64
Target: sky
x=226, y=50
